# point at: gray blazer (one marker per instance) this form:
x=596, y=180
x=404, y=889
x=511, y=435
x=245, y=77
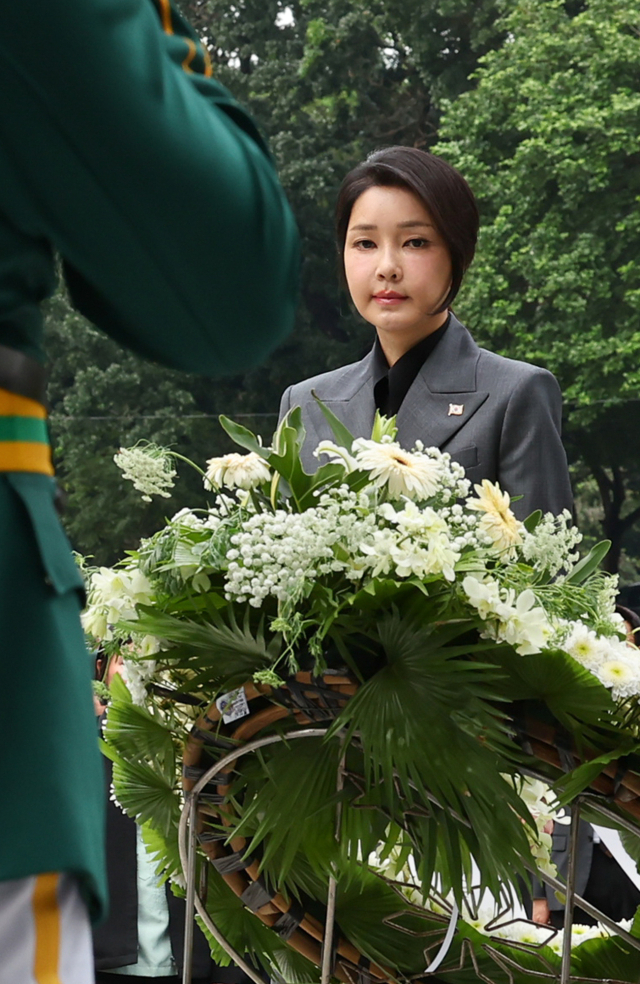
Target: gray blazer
x=560, y=838
x=508, y=429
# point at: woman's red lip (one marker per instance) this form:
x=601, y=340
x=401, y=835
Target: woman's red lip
x=390, y=295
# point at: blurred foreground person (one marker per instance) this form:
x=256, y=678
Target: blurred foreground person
x=118, y=151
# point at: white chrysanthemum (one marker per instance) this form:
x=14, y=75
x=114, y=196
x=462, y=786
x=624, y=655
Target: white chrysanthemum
x=149, y=467
x=556, y=943
x=622, y=676
x=581, y=933
x=242, y=471
x=497, y=520
x=584, y=646
x=522, y=931
x=414, y=475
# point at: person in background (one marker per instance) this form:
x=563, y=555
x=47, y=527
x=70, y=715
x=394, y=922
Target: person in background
x=600, y=879
x=142, y=939
x=124, y=158
x=632, y=624
x=407, y=224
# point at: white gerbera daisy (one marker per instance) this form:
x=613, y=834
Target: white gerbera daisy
x=242, y=471
x=497, y=521
x=404, y=473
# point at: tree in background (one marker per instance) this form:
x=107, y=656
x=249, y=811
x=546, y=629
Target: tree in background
x=549, y=142
x=547, y=133
x=328, y=82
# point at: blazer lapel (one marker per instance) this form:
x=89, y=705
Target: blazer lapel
x=443, y=396
x=353, y=400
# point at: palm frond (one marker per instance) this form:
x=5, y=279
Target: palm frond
x=138, y=736
x=228, y=650
x=299, y=781
x=142, y=793
x=430, y=730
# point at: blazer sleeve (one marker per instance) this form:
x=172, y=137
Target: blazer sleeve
x=532, y=459
x=285, y=403
x=148, y=178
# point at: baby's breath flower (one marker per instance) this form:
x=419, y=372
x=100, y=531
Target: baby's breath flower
x=549, y=547
x=269, y=677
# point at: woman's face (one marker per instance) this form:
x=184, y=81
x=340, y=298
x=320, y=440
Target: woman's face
x=397, y=266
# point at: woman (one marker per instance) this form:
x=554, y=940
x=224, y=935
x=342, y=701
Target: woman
x=407, y=226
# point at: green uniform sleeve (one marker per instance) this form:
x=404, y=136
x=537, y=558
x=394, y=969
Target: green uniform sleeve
x=148, y=178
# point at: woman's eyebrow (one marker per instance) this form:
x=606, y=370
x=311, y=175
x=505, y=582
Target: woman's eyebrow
x=412, y=223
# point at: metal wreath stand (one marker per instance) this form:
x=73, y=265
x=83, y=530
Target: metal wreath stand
x=187, y=843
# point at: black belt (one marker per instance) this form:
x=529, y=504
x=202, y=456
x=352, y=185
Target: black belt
x=21, y=374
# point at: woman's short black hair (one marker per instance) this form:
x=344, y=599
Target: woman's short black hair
x=441, y=188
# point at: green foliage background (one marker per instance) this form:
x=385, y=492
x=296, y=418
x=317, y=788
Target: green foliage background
x=537, y=102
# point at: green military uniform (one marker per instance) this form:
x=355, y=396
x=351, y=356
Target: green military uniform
x=120, y=152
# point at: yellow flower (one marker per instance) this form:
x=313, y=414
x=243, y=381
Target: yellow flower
x=498, y=522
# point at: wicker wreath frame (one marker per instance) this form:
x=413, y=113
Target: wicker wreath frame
x=311, y=704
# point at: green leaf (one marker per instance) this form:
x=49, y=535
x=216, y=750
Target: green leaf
x=229, y=653
x=631, y=844
x=532, y=521
x=243, y=437
x=344, y=437
x=426, y=697
x=572, y=693
x=163, y=851
x=143, y=793
x=300, y=782
x=138, y=736
x=574, y=782
x=590, y=563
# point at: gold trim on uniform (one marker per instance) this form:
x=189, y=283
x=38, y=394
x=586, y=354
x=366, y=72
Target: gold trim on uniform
x=26, y=456
x=165, y=14
x=191, y=54
x=13, y=405
x=46, y=917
